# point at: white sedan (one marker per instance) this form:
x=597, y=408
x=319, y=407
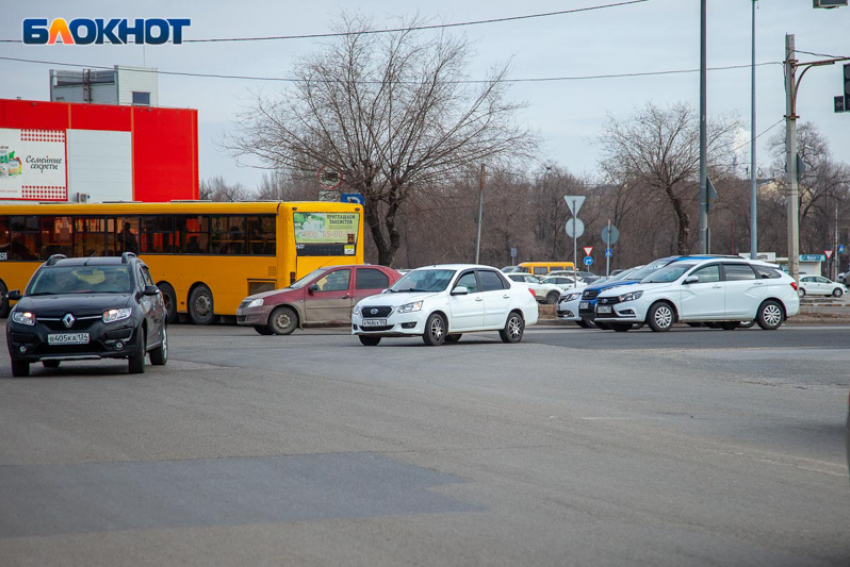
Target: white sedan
x=544, y=292
x=565, y=283
x=440, y=303
x=819, y=285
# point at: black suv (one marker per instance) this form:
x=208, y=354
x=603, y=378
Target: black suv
x=87, y=309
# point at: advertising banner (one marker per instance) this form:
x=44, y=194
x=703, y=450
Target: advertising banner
x=326, y=234
x=32, y=165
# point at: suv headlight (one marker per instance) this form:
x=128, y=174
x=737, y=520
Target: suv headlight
x=255, y=303
x=117, y=314
x=631, y=296
x=24, y=318
x=570, y=296
x=410, y=307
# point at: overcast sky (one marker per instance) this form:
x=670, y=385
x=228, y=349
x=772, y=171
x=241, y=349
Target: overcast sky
x=656, y=35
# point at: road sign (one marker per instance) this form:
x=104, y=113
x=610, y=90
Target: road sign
x=841, y=249
x=330, y=178
x=609, y=253
x=588, y=250
x=588, y=260
x=352, y=198
x=711, y=195
x=828, y=253
x=610, y=235
x=513, y=252
x=574, y=202
x=812, y=258
x=575, y=227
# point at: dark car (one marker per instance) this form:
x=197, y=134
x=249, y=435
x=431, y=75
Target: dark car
x=87, y=309
x=323, y=297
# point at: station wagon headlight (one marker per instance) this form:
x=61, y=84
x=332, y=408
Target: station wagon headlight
x=255, y=303
x=410, y=307
x=571, y=296
x=24, y=318
x=631, y=296
x=117, y=314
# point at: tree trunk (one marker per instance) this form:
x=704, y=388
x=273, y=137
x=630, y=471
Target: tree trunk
x=683, y=223
x=373, y=221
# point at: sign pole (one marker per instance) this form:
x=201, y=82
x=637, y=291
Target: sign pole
x=575, y=249
x=607, y=257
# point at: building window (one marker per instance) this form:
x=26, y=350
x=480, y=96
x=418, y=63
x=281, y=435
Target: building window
x=141, y=98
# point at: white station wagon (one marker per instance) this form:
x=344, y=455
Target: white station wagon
x=441, y=303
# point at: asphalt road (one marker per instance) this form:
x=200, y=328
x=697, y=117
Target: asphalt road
x=694, y=447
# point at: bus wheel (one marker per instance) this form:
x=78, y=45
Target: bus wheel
x=4, y=302
x=170, y=300
x=283, y=321
x=201, y=305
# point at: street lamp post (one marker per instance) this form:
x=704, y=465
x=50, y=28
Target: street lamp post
x=753, y=194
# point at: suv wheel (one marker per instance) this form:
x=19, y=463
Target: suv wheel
x=20, y=369
x=514, y=329
x=660, y=317
x=770, y=315
x=136, y=362
x=50, y=363
x=435, y=330
x=159, y=355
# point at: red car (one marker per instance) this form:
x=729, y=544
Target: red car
x=324, y=297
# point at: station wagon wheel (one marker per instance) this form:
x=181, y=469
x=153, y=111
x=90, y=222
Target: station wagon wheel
x=660, y=317
x=283, y=321
x=514, y=329
x=453, y=338
x=435, y=330
x=770, y=315
x=730, y=325
x=201, y=306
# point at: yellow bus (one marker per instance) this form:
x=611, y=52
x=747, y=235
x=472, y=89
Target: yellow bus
x=541, y=269
x=205, y=257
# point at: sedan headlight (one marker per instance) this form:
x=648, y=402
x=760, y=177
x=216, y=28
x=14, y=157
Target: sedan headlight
x=570, y=296
x=631, y=296
x=24, y=318
x=117, y=314
x=410, y=307
x=356, y=310
x=255, y=303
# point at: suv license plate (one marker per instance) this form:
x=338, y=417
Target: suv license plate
x=584, y=305
x=374, y=323
x=68, y=339
x=603, y=309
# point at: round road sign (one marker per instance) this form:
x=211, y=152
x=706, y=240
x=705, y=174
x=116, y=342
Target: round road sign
x=588, y=260
x=330, y=178
x=610, y=237
x=575, y=227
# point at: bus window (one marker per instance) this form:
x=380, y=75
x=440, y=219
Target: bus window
x=193, y=233
x=228, y=235
x=56, y=236
x=123, y=235
x=261, y=235
x=25, y=238
x=157, y=234
x=89, y=236
x=4, y=238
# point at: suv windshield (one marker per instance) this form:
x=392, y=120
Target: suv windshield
x=668, y=274
x=423, y=280
x=62, y=280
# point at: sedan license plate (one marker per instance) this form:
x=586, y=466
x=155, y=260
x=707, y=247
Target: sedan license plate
x=374, y=323
x=584, y=305
x=68, y=339
x=603, y=309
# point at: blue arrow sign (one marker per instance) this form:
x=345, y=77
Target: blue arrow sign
x=841, y=249
x=609, y=253
x=588, y=260
x=352, y=198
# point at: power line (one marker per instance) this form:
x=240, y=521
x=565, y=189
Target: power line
x=470, y=81
x=777, y=123
x=820, y=54
x=397, y=30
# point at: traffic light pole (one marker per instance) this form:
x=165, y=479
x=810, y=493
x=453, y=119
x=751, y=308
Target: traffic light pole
x=792, y=85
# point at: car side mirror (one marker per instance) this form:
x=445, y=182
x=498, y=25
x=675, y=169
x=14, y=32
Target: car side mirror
x=150, y=290
x=313, y=287
x=460, y=290
x=14, y=295
x=692, y=279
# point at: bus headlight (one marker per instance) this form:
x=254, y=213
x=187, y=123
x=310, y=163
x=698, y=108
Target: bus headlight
x=24, y=318
x=117, y=314
x=410, y=307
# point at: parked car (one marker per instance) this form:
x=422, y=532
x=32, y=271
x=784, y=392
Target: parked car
x=87, y=309
x=714, y=290
x=563, y=282
x=579, y=305
x=544, y=292
x=511, y=269
x=441, y=303
x=819, y=285
x=323, y=297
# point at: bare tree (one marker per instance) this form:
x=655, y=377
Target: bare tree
x=391, y=112
x=660, y=147
x=217, y=189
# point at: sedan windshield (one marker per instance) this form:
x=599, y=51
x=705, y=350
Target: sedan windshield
x=423, y=280
x=668, y=274
x=81, y=279
x=308, y=278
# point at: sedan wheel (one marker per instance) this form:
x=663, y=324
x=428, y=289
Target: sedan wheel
x=435, y=330
x=801, y=292
x=837, y=292
x=366, y=340
x=552, y=297
x=283, y=321
x=514, y=329
x=660, y=317
x=770, y=316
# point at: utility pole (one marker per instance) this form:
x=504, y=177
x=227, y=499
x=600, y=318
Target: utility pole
x=705, y=246
x=754, y=239
x=480, y=212
x=792, y=86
